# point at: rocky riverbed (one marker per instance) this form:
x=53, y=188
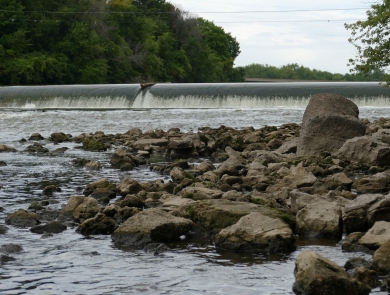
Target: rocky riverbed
x=246, y=190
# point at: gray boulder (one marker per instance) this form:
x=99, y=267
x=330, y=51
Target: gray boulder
x=151, y=225
x=366, y=150
x=256, y=231
x=315, y=275
x=329, y=120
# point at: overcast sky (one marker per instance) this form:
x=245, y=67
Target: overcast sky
x=315, y=39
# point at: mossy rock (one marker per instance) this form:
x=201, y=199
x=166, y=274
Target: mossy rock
x=94, y=145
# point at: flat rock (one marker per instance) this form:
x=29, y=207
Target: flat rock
x=256, y=231
x=376, y=236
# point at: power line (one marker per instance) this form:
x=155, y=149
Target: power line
x=174, y=12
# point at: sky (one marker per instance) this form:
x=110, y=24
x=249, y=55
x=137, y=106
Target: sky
x=273, y=32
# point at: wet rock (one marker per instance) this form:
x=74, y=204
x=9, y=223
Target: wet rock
x=36, y=206
x=3, y=164
x=6, y=258
x=156, y=248
x=366, y=276
x=300, y=200
x=177, y=174
x=329, y=120
x=53, y=227
x=256, y=231
x=36, y=148
x=381, y=258
x=320, y=219
x=365, y=150
x=128, y=186
x=50, y=190
x=215, y=215
x=36, y=136
x=315, y=275
x=103, y=195
x=355, y=262
x=131, y=201
x=6, y=148
x=59, y=137
x=22, y=218
x=73, y=203
x=93, y=165
x=87, y=209
x=201, y=193
x=80, y=162
x=376, y=236
x=120, y=214
x=350, y=243
x=121, y=157
x=150, y=225
x=100, y=183
x=94, y=145
x=98, y=225
x=11, y=248
x=372, y=184
x=3, y=229
x=205, y=166
x=143, y=143
x=362, y=212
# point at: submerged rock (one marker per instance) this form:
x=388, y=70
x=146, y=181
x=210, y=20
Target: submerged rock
x=53, y=227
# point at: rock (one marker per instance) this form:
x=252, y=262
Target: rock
x=53, y=227
x=201, y=193
x=350, y=243
x=320, y=219
x=121, y=157
x=289, y=147
x=143, y=143
x=73, y=202
x=177, y=174
x=93, y=165
x=120, y=214
x=275, y=143
x=87, y=209
x=150, y=226
x=338, y=180
x=36, y=136
x=372, y=184
x=36, y=148
x=365, y=150
x=300, y=200
x=103, y=195
x=256, y=231
x=94, y=145
x=176, y=202
x=3, y=229
x=362, y=212
x=366, y=276
x=329, y=120
x=59, y=137
x=315, y=275
x=36, y=206
x=3, y=164
x=128, y=186
x=215, y=215
x=100, y=183
x=180, y=144
x=381, y=258
x=6, y=148
x=6, y=258
x=22, y=218
x=131, y=201
x=11, y=248
x=50, y=190
x=205, y=166
x=376, y=236
x=298, y=178
x=356, y=262
x=98, y=225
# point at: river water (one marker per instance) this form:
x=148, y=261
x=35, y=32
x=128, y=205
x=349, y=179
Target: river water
x=69, y=263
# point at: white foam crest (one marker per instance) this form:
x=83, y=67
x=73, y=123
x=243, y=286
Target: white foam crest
x=149, y=101
x=81, y=102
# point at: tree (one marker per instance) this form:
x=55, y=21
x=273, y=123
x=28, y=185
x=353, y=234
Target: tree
x=371, y=40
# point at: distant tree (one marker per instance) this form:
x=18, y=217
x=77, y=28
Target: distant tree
x=371, y=40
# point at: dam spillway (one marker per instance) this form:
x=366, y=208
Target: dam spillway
x=187, y=96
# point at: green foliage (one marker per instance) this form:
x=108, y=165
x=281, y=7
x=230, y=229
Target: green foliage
x=116, y=41
x=371, y=40
x=297, y=72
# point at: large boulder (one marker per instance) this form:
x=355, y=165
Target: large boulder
x=320, y=219
x=329, y=120
x=315, y=275
x=22, y=218
x=381, y=258
x=376, y=236
x=128, y=186
x=361, y=213
x=151, y=225
x=256, y=231
x=87, y=209
x=366, y=150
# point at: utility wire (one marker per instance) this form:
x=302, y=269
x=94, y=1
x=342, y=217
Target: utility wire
x=178, y=11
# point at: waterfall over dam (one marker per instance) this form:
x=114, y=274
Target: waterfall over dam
x=203, y=95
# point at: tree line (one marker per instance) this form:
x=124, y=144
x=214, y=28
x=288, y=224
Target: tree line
x=117, y=41
x=299, y=72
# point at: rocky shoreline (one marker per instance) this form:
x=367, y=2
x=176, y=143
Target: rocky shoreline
x=251, y=190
